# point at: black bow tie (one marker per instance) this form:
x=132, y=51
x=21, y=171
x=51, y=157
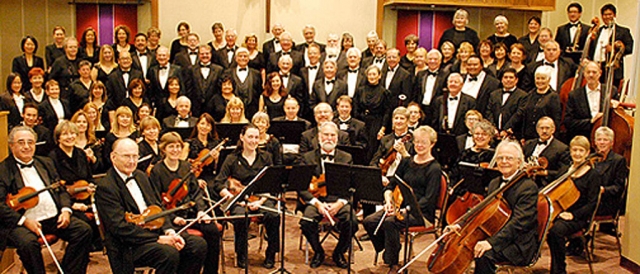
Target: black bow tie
x=125, y=72
x=328, y=157
x=391, y=69
x=503, y=180
x=473, y=78
x=140, y=54
x=286, y=53
x=353, y=70
x=573, y=25
x=399, y=137
x=284, y=75
x=432, y=73
x=193, y=53
x=605, y=27
x=508, y=91
x=277, y=41
x=163, y=67
x=542, y=142
x=330, y=82
x=550, y=64
x=26, y=165
x=205, y=65
x=379, y=60
x=344, y=122
x=453, y=98
x=242, y=69
x=313, y=67
x=332, y=56
x=185, y=119
x=132, y=178
x=231, y=49
x=540, y=50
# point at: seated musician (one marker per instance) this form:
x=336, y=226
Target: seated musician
x=578, y=215
x=549, y=147
x=322, y=112
x=127, y=190
x=162, y=178
x=333, y=207
x=481, y=152
x=182, y=119
x=267, y=141
x=73, y=166
x=204, y=136
x=516, y=241
x=422, y=172
x=51, y=215
x=149, y=152
x=241, y=167
x=465, y=141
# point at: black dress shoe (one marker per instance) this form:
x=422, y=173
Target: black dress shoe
x=269, y=262
x=317, y=260
x=242, y=263
x=338, y=258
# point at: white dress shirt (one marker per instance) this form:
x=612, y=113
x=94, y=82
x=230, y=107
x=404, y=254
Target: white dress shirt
x=163, y=76
x=593, y=97
x=57, y=108
x=428, y=89
x=472, y=88
x=134, y=190
x=312, y=76
x=352, y=81
x=452, y=108
x=603, y=40
x=46, y=207
x=242, y=74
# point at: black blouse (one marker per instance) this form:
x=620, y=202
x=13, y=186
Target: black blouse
x=51, y=53
x=74, y=168
x=65, y=71
x=161, y=178
x=195, y=147
x=424, y=179
x=237, y=167
x=144, y=150
x=20, y=66
x=274, y=148
x=258, y=62
x=472, y=182
x=217, y=107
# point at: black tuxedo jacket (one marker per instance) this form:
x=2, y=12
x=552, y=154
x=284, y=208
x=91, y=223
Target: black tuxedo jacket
x=489, y=84
x=401, y=84
x=269, y=48
x=466, y=103
x=221, y=57
x=183, y=59
x=309, y=140
x=343, y=74
x=419, y=90
x=320, y=95
x=577, y=115
x=11, y=182
x=151, y=61
x=313, y=158
x=368, y=61
x=614, y=172
x=356, y=131
x=49, y=117
x=155, y=93
x=19, y=65
x=623, y=34
x=386, y=143
x=117, y=88
x=509, y=108
x=200, y=90
x=557, y=153
x=563, y=37
x=169, y=122
x=7, y=103
x=113, y=201
x=298, y=89
x=304, y=74
x=252, y=96
x=566, y=70
x=296, y=57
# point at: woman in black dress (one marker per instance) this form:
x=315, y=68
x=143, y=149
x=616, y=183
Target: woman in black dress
x=148, y=148
x=89, y=49
x=36, y=79
x=167, y=106
x=502, y=32
x=104, y=108
x=170, y=169
x=460, y=32
x=80, y=88
x=122, y=127
x=448, y=51
x=144, y=111
x=218, y=41
x=410, y=44
x=65, y=68
x=136, y=97
x=55, y=50
x=122, y=37
x=180, y=43
x=86, y=140
x=272, y=99
x=13, y=100
x=267, y=142
x=517, y=57
x=106, y=65
x=372, y=105
x=218, y=104
x=481, y=152
x=501, y=60
x=28, y=60
x=256, y=58
x=530, y=40
x=234, y=113
x=485, y=51
x=464, y=52
x=205, y=136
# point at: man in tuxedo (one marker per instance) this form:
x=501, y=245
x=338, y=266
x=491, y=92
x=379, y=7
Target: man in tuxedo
x=372, y=39
x=585, y=104
x=555, y=151
x=478, y=84
x=182, y=119
x=291, y=109
x=614, y=172
x=449, y=109
x=504, y=102
x=188, y=58
x=118, y=83
x=573, y=35
x=143, y=59
x=601, y=47
x=44, y=143
x=561, y=68
x=158, y=76
x=293, y=83
x=353, y=76
x=313, y=72
x=379, y=57
x=465, y=141
x=430, y=85
x=286, y=42
x=125, y=189
x=273, y=45
x=397, y=80
x=51, y=215
x=328, y=89
x=53, y=109
x=334, y=207
x=225, y=57
x=309, y=140
x=248, y=82
x=536, y=54
x=354, y=127
x=202, y=81
x=309, y=33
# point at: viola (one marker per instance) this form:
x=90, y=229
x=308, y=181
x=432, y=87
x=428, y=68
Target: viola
x=27, y=197
x=391, y=156
x=81, y=189
x=205, y=157
x=152, y=218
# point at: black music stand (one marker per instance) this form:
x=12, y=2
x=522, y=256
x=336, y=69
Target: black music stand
x=446, y=150
x=231, y=131
x=287, y=132
x=184, y=132
x=357, y=182
x=358, y=154
x=412, y=208
x=476, y=178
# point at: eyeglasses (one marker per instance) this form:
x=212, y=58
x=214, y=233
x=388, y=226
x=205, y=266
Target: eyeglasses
x=505, y=158
x=134, y=157
x=25, y=142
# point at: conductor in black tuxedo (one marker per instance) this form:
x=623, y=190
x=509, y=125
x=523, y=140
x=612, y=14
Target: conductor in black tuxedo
x=504, y=102
x=119, y=79
x=585, y=104
x=328, y=89
x=248, y=82
x=53, y=109
x=189, y=57
x=430, y=84
x=561, y=68
x=226, y=56
x=51, y=215
x=142, y=58
x=346, y=123
x=202, y=81
x=159, y=75
x=272, y=45
x=125, y=189
x=397, y=80
x=478, y=83
x=449, y=109
x=333, y=207
x=572, y=36
x=600, y=48
x=549, y=147
x=309, y=140
x=286, y=42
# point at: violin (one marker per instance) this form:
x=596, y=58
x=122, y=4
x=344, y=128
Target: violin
x=205, y=157
x=81, y=189
x=391, y=156
x=27, y=197
x=152, y=218
x=318, y=186
x=236, y=187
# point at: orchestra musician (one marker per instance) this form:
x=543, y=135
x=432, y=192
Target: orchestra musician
x=162, y=177
x=546, y=145
x=334, y=207
x=243, y=165
x=422, y=172
x=614, y=171
x=51, y=215
x=480, y=152
x=516, y=242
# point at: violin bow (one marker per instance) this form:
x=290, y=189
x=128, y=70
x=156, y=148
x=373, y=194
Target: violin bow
x=202, y=216
x=424, y=251
x=53, y=256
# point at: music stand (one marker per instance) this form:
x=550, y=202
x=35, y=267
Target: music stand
x=357, y=182
x=446, y=150
x=476, y=178
x=231, y=131
x=184, y=132
x=358, y=154
x=288, y=132
x=412, y=208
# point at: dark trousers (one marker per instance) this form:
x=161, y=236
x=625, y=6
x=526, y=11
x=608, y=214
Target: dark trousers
x=556, y=238
x=76, y=256
x=96, y=240
x=486, y=264
x=211, y=235
x=388, y=237
x=310, y=229
x=271, y=222
x=167, y=259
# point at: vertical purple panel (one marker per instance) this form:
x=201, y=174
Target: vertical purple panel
x=426, y=29
x=105, y=21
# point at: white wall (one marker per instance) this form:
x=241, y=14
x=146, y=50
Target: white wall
x=248, y=16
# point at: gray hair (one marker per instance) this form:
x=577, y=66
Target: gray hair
x=606, y=131
x=354, y=50
x=16, y=129
x=544, y=70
